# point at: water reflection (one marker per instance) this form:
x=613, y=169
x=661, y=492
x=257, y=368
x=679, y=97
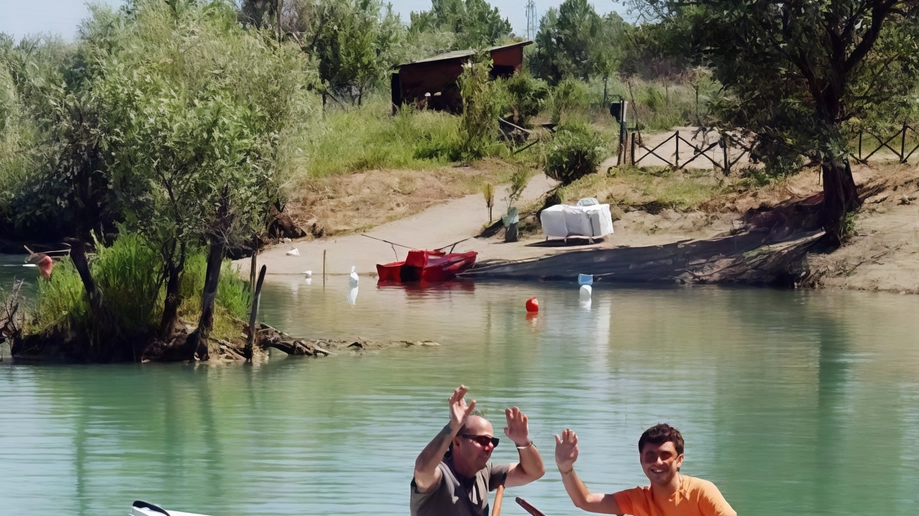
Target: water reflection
x=352, y=295
x=792, y=402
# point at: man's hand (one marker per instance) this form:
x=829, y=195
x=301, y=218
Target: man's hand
x=566, y=450
x=517, y=429
x=459, y=411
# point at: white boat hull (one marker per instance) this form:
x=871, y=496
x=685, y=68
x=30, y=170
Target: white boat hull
x=148, y=509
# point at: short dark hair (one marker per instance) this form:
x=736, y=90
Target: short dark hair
x=660, y=434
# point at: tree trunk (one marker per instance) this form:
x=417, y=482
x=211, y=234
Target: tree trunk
x=100, y=317
x=840, y=196
x=211, y=279
x=173, y=300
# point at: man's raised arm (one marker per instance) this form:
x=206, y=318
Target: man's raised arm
x=427, y=474
x=566, y=453
x=530, y=467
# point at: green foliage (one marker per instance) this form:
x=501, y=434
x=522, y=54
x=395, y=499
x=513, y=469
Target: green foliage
x=488, y=191
x=128, y=273
x=354, y=41
x=519, y=180
x=233, y=295
x=574, y=152
x=847, y=226
x=797, y=71
x=50, y=162
x=663, y=51
x=475, y=23
x=568, y=98
x=526, y=97
x=61, y=301
x=479, y=121
x=575, y=42
x=368, y=136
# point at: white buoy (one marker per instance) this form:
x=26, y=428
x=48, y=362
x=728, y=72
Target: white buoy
x=308, y=274
x=354, y=279
x=584, y=293
x=293, y=252
x=585, y=279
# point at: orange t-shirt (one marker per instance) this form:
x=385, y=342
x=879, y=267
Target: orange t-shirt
x=695, y=497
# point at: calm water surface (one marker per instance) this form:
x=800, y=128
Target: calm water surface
x=792, y=402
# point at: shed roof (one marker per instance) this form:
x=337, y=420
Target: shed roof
x=456, y=54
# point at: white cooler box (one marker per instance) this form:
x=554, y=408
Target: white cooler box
x=588, y=219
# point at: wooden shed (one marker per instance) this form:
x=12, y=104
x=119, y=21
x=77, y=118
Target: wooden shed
x=431, y=83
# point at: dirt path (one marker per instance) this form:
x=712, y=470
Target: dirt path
x=464, y=218
x=437, y=226
x=883, y=255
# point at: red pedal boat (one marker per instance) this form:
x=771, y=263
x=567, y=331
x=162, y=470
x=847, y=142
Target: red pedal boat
x=424, y=265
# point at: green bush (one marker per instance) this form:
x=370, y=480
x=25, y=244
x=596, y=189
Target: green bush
x=128, y=273
x=568, y=98
x=232, y=291
x=574, y=152
x=479, y=121
x=61, y=301
x=526, y=97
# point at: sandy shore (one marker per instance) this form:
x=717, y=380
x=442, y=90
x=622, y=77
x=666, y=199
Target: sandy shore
x=882, y=256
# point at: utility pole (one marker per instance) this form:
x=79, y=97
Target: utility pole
x=532, y=22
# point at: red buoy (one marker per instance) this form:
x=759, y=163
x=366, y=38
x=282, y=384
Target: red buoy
x=532, y=305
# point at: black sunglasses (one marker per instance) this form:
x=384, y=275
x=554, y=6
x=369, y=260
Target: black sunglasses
x=483, y=440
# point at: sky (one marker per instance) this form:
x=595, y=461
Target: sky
x=62, y=17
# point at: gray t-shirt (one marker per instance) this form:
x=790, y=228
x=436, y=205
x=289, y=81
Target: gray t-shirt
x=457, y=495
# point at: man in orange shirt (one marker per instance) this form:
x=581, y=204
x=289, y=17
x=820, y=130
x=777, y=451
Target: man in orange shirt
x=671, y=493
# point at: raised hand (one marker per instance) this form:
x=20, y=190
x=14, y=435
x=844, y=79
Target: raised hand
x=517, y=428
x=566, y=449
x=459, y=411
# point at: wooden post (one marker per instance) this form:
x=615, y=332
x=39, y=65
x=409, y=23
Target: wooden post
x=860, y=145
x=903, y=145
x=253, y=263
x=250, y=344
x=633, y=150
x=323, y=268
x=677, y=153
x=727, y=155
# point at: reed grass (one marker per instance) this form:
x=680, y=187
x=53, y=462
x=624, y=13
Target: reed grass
x=356, y=139
x=128, y=274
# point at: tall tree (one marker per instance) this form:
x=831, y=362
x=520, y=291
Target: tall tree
x=354, y=41
x=475, y=23
x=800, y=70
x=194, y=110
x=570, y=41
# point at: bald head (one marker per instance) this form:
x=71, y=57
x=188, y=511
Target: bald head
x=477, y=425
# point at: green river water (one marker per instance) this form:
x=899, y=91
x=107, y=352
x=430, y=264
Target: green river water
x=792, y=402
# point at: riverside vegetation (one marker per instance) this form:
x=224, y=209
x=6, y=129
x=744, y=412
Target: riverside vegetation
x=173, y=133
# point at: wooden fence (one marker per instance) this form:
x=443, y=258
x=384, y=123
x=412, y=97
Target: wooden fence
x=677, y=152
x=901, y=152
x=725, y=150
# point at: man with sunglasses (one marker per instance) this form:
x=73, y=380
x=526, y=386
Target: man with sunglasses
x=671, y=493
x=453, y=474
